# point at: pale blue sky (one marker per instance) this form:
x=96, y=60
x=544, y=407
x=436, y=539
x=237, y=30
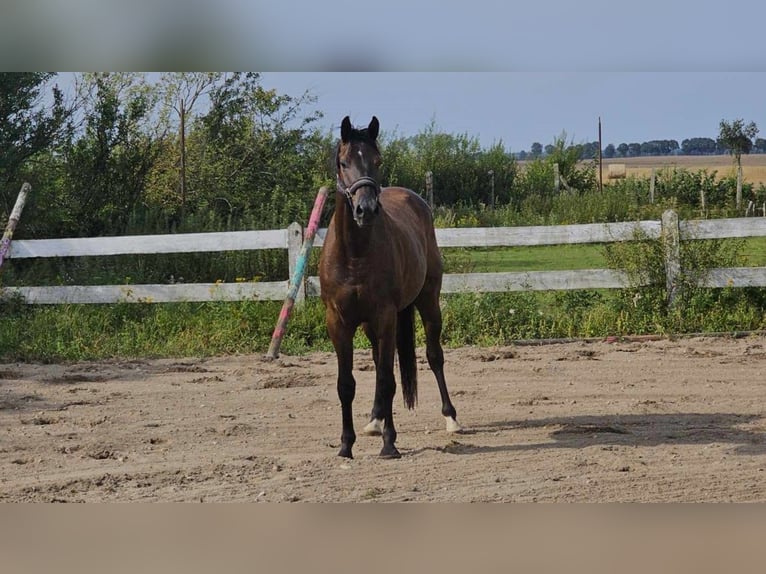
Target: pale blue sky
x=519, y=72
x=393, y=35
x=520, y=108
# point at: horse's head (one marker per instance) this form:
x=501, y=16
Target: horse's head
x=357, y=164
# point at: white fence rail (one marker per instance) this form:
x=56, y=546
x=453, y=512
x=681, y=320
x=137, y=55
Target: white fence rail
x=669, y=228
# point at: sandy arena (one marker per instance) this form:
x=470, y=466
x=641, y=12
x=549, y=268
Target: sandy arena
x=653, y=421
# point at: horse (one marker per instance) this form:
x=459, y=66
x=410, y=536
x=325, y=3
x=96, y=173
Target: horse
x=379, y=262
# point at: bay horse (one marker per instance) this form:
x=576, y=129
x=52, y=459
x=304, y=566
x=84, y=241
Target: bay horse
x=379, y=262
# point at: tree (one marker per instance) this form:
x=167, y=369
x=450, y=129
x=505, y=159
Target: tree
x=28, y=124
x=699, y=146
x=609, y=151
x=106, y=166
x=622, y=150
x=182, y=91
x=738, y=139
x=257, y=154
x=568, y=157
x=536, y=150
x=589, y=150
x=759, y=146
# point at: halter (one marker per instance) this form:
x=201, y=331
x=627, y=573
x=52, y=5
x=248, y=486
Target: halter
x=359, y=183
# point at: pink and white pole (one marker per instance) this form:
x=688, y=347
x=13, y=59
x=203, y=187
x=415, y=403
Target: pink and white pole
x=297, y=278
x=13, y=220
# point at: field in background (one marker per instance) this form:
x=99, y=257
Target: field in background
x=753, y=166
x=559, y=257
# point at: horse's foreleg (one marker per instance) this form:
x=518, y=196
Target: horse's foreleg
x=385, y=385
x=342, y=340
x=432, y=323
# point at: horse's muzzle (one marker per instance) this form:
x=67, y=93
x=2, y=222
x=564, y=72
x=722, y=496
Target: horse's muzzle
x=365, y=211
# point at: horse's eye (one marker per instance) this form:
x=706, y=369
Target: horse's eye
x=343, y=164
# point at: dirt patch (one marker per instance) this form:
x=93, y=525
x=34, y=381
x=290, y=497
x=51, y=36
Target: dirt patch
x=647, y=421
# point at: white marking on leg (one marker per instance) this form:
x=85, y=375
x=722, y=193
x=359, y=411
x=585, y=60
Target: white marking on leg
x=452, y=425
x=374, y=427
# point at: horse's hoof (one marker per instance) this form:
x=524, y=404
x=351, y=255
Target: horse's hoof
x=345, y=452
x=373, y=428
x=452, y=425
x=390, y=452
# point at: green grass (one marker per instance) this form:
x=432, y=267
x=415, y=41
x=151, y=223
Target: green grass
x=86, y=332
x=559, y=257
x=754, y=251
x=543, y=258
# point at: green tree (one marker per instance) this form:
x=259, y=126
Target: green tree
x=181, y=91
x=258, y=153
x=106, y=166
x=28, y=124
x=737, y=138
x=567, y=156
x=622, y=150
x=463, y=172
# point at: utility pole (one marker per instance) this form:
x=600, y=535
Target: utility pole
x=600, y=167
x=491, y=174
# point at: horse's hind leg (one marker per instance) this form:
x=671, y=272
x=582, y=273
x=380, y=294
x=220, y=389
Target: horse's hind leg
x=375, y=426
x=428, y=306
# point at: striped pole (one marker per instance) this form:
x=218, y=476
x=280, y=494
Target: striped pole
x=300, y=269
x=5, y=243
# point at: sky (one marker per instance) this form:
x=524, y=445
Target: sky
x=516, y=72
x=394, y=35
x=519, y=108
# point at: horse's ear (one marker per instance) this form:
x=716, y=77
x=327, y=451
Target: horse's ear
x=373, y=128
x=345, y=129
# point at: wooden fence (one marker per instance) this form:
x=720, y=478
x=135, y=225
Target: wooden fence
x=669, y=228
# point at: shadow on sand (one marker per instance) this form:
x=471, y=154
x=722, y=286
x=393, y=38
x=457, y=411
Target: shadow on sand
x=625, y=430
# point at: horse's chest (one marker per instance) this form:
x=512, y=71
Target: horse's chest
x=364, y=297
x=368, y=291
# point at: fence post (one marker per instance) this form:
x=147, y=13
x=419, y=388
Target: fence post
x=739, y=186
x=651, y=186
x=294, y=243
x=556, y=179
x=671, y=237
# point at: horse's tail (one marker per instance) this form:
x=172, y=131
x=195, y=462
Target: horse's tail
x=405, y=347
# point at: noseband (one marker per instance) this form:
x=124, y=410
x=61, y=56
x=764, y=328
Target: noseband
x=359, y=183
